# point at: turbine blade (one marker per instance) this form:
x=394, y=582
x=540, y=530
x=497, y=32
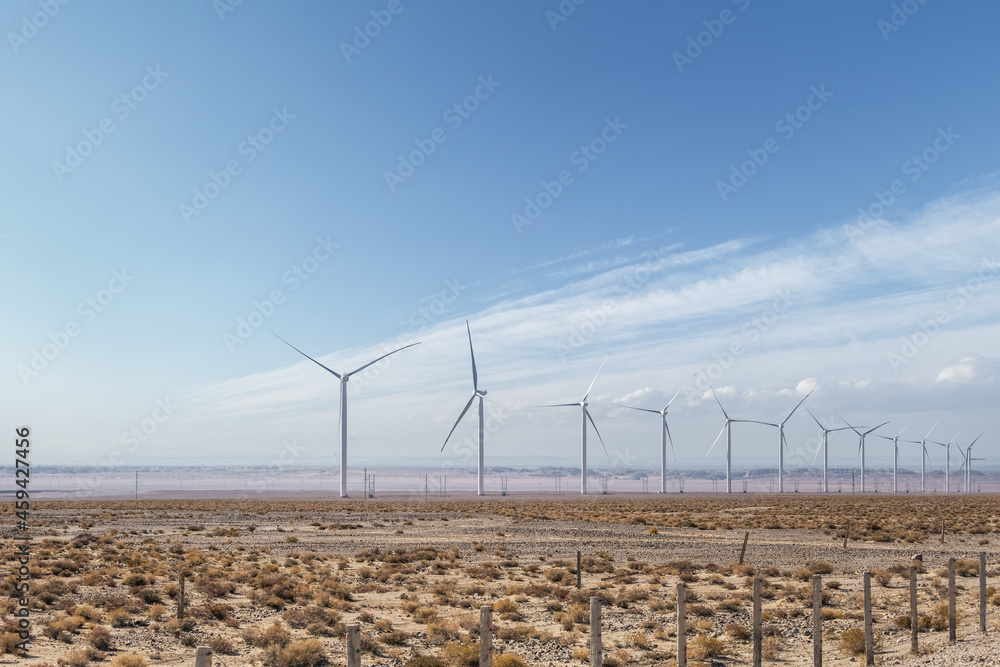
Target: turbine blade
x=670, y=439
x=816, y=455
x=718, y=401
x=716, y=440
x=681, y=389
x=381, y=358
x=655, y=412
x=848, y=423
x=816, y=420
x=558, y=405
x=466, y=409
x=595, y=378
x=797, y=407
x=754, y=421
x=475, y=375
x=876, y=428
x=587, y=412
x=306, y=355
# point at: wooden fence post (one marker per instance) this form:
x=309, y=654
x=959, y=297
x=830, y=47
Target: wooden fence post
x=869, y=636
x=951, y=600
x=596, y=649
x=746, y=536
x=486, y=636
x=681, y=625
x=847, y=531
x=203, y=658
x=817, y=620
x=758, y=635
x=354, y=645
x=914, y=619
x=982, y=591
x=579, y=571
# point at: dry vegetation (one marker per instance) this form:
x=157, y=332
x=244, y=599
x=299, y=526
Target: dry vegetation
x=277, y=583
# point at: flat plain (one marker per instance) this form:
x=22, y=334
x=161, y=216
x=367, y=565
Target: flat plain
x=277, y=582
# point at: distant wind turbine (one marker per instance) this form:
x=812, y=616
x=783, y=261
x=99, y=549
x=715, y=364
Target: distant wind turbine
x=947, y=460
x=582, y=403
x=861, y=446
x=923, y=456
x=895, y=453
x=967, y=463
x=728, y=430
x=664, y=436
x=825, y=447
x=343, y=403
x=476, y=393
x=781, y=442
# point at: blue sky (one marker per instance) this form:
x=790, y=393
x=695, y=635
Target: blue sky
x=693, y=169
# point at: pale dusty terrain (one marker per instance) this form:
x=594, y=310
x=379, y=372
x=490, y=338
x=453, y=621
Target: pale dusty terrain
x=338, y=556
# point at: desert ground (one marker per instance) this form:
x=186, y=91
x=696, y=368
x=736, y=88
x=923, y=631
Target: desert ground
x=276, y=582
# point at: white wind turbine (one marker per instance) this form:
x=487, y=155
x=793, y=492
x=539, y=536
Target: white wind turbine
x=664, y=436
x=728, y=429
x=861, y=446
x=343, y=403
x=895, y=453
x=582, y=403
x=967, y=463
x=923, y=456
x=476, y=393
x=947, y=460
x=825, y=446
x=781, y=442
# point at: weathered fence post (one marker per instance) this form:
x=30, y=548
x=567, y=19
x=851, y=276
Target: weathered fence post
x=817, y=620
x=942, y=532
x=847, y=531
x=746, y=536
x=596, y=649
x=203, y=658
x=579, y=571
x=914, y=620
x=982, y=591
x=486, y=636
x=180, y=596
x=682, y=651
x=869, y=636
x=951, y=600
x=758, y=635
x=354, y=646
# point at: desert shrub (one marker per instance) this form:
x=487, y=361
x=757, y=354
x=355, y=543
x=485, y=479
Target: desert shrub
x=704, y=611
x=99, y=637
x=9, y=642
x=56, y=627
x=128, y=660
x=302, y=653
x=461, y=655
x=852, y=641
x=222, y=645
x=705, y=646
x=508, y=660
x=275, y=635
x=738, y=631
x=75, y=658
x=883, y=577
x=770, y=647
x=638, y=639
x=420, y=660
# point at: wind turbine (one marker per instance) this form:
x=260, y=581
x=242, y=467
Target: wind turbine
x=664, y=436
x=861, y=446
x=582, y=403
x=947, y=460
x=923, y=456
x=895, y=453
x=967, y=464
x=728, y=429
x=343, y=403
x=781, y=442
x=825, y=447
x=476, y=393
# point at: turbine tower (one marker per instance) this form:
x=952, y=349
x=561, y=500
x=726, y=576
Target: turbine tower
x=895, y=453
x=664, y=436
x=923, y=456
x=825, y=447
x=343, y=403
x=947, y=460
x=781, y=442
x=861, y=446
x=728, y=429
x=582, y=404
x=967, y=464
x=476, y=393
